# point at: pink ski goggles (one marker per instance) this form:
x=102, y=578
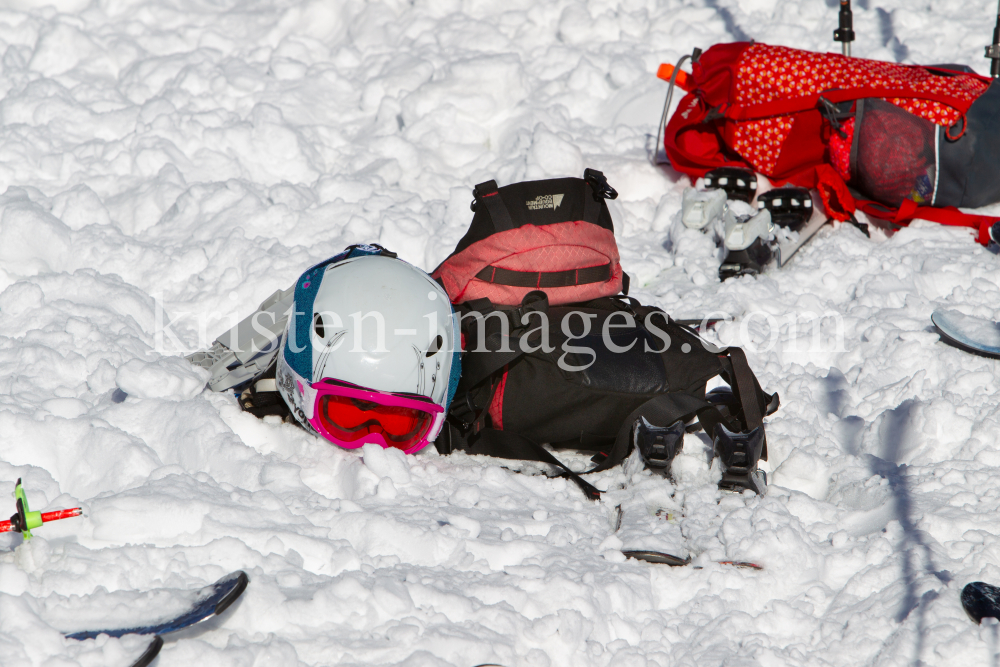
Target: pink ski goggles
x=350, y=416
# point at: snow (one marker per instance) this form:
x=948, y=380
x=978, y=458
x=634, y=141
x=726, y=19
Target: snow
x=175, y=162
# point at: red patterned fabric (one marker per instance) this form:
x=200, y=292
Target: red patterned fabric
x=769, y=73
x=557, y=247
x=760, y=106
x=840, y=149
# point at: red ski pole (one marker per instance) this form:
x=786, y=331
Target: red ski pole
x=47, y=516
x=24, y=519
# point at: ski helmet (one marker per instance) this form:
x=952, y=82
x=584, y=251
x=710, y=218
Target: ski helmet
x=370, y=353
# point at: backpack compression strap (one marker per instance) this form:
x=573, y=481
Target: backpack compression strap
x=542, y=279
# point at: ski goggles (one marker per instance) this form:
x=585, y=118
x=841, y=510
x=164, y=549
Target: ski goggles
x=351, y=416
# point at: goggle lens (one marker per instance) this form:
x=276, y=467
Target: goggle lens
x=349, y=419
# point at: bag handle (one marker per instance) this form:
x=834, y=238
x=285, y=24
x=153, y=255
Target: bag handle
x=488, y=193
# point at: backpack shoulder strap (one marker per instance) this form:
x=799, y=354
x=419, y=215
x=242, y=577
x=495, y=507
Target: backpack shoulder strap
x=506, y=445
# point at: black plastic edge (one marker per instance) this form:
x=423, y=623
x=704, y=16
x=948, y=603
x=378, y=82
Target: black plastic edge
x=151, y=652
x=241, y=585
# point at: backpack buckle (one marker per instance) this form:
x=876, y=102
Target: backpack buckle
x=533, y=301
x=599, y=182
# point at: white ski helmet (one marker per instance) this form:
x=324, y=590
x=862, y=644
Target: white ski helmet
x=371, y=351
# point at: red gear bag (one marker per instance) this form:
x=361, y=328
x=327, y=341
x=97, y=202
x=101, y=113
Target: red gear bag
x=897, y=141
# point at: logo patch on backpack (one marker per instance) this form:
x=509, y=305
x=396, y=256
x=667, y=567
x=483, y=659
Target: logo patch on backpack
x=544, y=201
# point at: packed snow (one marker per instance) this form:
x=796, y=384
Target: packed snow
x=166, y=165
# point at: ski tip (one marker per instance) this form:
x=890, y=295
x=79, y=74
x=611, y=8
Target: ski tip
x=981, y=600
x=241, y=585
x=150, y=653
x=658, y=557
x=949, y=335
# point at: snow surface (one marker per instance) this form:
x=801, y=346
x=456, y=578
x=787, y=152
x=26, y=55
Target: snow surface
x=202, y=154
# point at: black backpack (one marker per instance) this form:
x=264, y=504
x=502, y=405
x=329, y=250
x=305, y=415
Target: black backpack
x=635, y=377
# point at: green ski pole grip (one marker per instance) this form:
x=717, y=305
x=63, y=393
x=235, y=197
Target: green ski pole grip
x=29, y=519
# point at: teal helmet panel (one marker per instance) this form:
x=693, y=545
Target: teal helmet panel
x=300, y=355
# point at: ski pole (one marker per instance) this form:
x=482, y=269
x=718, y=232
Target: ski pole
x=676, y=77
x=845, y=33
x=24, y=519
x=993, y=51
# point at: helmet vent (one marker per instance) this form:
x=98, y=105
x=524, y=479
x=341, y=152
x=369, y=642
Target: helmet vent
x=318, y=326
x=435, y=346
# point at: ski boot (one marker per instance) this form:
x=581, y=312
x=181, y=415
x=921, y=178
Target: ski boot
x=739, y=453
x=747, y=240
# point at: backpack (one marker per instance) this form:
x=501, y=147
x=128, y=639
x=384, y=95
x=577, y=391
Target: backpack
x=554, y=235
x=576, y=370
x=895, y=141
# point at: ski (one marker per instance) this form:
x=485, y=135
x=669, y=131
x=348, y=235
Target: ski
x=793, y=210
x=652, y=533
x=206, y=602
x=642, y=520
x=754, y=236
x=657, y=557
x=981, y=600
x=645, y=527
x=972, y=334
x=152, y=650
x=742, y=564
x=786, y=250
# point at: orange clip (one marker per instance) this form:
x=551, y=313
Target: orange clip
x=683, y=78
